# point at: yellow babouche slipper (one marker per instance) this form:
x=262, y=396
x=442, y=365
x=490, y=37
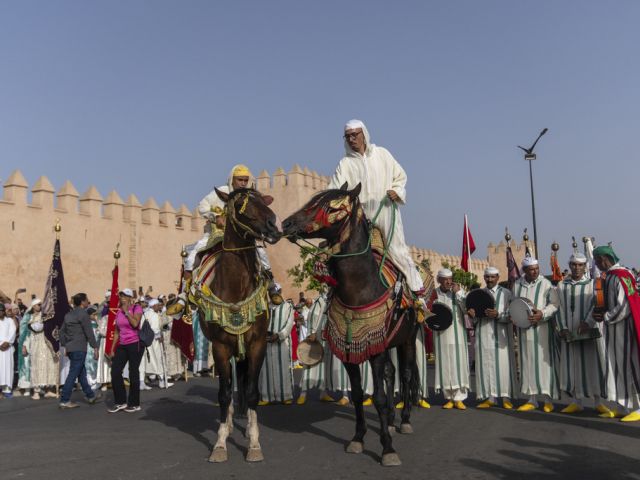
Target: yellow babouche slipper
x=343, y=401
x=263, y=403
x=600, y=408
x=326, y=398
x=448, y=405
x=571, y=408
x=548, y=407
x=486, y=404
x=301, y=400
x=507, y=405
x=460, y=405
x=400, y=405
x=527, y=407
x=423, y=403
x=287, y=402
x=298, y=367
x=632, y=417
x=368, y=402
x=611, y=414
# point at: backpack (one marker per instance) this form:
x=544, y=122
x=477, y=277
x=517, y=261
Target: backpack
x=146, y=333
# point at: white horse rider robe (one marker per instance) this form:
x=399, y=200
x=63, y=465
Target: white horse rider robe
x=330, y=374
x=622, y=373
x=378, y=172
x=452, y=355
x=538, y=344
x=494, y=352
x=276, y=375
x=7, y=334
x=581, y=363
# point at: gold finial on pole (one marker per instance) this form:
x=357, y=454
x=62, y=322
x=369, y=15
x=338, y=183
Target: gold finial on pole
x=57, y=228
x=555, y=247
x=116, y=254
x=183, y=252
x=507, y=235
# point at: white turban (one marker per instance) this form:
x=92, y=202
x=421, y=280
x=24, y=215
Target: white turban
x=107, y=294
x=491, y=271
x=529, y=262
x=353, y=124
x=578, y=258
x=34, y=302
x=445, y=273
x=153, y=302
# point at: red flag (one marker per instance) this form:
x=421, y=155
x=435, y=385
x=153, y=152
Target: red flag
x=468, y=246
x=512, y=267
x=114, y=300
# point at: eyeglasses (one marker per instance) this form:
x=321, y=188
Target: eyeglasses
x=349, y=136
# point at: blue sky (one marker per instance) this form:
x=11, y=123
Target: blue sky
x=162, y=97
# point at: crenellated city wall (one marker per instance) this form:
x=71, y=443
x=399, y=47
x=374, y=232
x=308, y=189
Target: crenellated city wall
x=150, y=236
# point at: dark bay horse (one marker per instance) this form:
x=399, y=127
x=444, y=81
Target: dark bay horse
x=237, y=281
x=337, y=217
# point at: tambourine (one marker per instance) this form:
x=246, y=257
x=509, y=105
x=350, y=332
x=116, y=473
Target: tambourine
x=442, y=317
x=480, y=300
x=310, y=353
x=520, y=309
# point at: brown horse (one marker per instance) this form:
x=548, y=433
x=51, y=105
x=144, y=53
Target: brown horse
x=337, y=217
x=238, y=290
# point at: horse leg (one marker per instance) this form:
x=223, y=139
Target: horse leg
x=357, y=396
x=254, y=364
x=381, y=401
x=225, y=397
x=241, y=376
x=408, y=383
x=389, y=382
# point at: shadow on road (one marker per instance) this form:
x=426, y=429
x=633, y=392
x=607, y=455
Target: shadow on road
x=557, y=461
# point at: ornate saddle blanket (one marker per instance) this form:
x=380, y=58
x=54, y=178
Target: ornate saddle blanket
x=234, y=318
x=355, y=334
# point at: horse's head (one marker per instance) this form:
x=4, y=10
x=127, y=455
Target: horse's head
x=249, y=215
x=324, y=216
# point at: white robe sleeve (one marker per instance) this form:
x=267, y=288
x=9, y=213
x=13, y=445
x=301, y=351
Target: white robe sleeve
x=621, y=309
x=340, y=176
x=552, y=305
x=399, y=182
x=288, y=326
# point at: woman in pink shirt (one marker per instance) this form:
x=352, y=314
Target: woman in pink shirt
x=128, y=348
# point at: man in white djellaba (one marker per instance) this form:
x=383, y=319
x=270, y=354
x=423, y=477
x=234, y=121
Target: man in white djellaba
x=383, y=182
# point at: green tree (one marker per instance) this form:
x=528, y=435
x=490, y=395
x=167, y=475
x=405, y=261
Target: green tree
x=467, y=280
x=302, y=274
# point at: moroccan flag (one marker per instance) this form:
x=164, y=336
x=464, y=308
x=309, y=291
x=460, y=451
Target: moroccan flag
x=512, y=268
x=56, y=303
x=556, y=273
x=468, y=246
x=114, y=301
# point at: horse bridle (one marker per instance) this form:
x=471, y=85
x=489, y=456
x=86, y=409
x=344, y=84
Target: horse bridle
x=241, y=228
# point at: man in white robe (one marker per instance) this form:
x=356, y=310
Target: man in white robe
x=538, y=344
x=621, y=323
x=276, y=375
x=494, y=348
x=329, y=374
x=581, y=362
x=154, y=361
x=211, y=207
x=452, y=354
x=8, y=333
x=383, y=182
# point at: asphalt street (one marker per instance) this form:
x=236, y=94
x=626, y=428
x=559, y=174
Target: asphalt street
x=173, y=434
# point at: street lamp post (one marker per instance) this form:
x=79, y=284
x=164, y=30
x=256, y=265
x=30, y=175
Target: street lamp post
x=530, y=156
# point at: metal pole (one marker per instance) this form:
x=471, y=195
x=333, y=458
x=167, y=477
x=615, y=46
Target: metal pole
x=533, y=210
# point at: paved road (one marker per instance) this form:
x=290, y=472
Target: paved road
x=173, y=435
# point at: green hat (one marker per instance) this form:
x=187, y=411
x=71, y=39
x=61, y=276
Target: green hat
x=606, y=250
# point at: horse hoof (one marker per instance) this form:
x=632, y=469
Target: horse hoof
x=355, y=447
x=254, y=455
x=218, y=455
x=391, y=460
x=392, y=429
x=406, y=428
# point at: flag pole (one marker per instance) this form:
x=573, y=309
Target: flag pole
x=58, y=228
x=466, y=234
x=183, y=256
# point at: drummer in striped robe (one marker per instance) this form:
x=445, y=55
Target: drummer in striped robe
x=581, y=362
x=494, y=352
x=621, y=327
x=276, y=375
x=329, y=374
x=452, y=358
x=538, y=344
